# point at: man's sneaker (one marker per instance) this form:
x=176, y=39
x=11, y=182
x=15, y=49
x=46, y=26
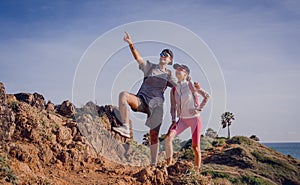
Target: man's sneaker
x=123, y=130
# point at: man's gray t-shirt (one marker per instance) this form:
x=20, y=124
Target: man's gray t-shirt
x=155, y=82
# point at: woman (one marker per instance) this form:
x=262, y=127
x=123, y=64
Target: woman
x=184, y=102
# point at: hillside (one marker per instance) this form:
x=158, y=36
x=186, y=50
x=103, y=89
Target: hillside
x=43, y=143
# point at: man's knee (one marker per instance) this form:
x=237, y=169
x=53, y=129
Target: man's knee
x=123, y=96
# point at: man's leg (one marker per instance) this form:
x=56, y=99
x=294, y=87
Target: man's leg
x=125, y=100
x=154, y=145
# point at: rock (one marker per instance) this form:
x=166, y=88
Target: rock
x=45, y=154
x=7, y=123
x=38, y=101
x=20, y=153
x=152, y=175
x=63, y=156
x=66, y=109
x=50, y=106
x=2, y=94
x=145, y=176
x=179, y=168
x=64, y=136
x=10, y=98
x=55, y=118
x=24, y=97
x=34, y=99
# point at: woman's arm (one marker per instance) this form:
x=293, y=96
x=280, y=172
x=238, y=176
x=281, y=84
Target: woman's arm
x=134, y=51
x=173, y=105
x=203, y=93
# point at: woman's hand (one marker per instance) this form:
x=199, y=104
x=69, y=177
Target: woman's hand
x=197, y=85
x=172, y=125
x=127, y=38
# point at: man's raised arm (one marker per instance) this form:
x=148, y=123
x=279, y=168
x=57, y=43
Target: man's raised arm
x=134, y=51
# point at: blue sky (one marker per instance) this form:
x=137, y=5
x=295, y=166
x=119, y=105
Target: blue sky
x=256, y=43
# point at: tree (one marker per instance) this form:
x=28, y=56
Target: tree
x=211, y=133
x=226, y=120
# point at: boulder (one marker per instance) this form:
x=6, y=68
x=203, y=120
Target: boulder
x=64, y=136
x=152, y=175
x=38, y=101
x=50, y=106
x=35, y=99
x=10, y=98
x=66, y=109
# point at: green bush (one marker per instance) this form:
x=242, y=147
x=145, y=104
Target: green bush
x=219, y=142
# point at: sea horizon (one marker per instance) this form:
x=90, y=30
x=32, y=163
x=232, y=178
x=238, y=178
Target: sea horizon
x=286, y=148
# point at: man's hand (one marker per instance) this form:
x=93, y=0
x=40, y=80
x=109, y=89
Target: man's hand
x=197, y=85
x=127, y=38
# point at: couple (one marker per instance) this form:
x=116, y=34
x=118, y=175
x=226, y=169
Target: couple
x=150, y=99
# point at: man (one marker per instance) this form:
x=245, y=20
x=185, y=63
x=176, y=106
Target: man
x=150, y=97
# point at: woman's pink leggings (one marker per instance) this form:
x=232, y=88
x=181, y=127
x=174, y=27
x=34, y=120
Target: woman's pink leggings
x=195, y=124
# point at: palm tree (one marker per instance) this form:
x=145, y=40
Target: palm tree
x=226, y=119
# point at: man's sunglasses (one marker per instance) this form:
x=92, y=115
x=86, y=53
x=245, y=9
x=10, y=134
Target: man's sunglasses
x=164, y=54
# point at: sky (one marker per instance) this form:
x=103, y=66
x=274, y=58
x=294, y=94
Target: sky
x=255, y=42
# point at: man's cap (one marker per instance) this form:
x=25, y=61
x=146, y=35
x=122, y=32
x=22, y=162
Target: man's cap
x=175, y=66
x=170, y=53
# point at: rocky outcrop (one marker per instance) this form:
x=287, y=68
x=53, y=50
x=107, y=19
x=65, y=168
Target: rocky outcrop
x=50, y=107
x=7, y=117
x=66, y=109
x=35, y=99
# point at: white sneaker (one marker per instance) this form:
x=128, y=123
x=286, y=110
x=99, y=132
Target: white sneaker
x=123, y=130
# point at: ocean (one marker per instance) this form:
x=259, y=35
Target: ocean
x=292, y=149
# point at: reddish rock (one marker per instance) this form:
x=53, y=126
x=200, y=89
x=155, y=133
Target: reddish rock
x=34, y=99
x=50, y=106
x=66, y=109
x=64, y=136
